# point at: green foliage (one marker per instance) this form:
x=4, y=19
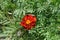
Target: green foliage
x=47, y=25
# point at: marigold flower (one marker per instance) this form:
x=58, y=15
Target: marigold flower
x=28, y=21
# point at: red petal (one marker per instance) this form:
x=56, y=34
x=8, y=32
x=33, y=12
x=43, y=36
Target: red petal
x=28, y=27
x=25, y=18
x=23, y=23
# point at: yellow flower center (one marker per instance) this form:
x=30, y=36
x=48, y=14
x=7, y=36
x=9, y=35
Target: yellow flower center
x=28, y=22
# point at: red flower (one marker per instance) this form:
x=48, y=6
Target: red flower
x=28, y=21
